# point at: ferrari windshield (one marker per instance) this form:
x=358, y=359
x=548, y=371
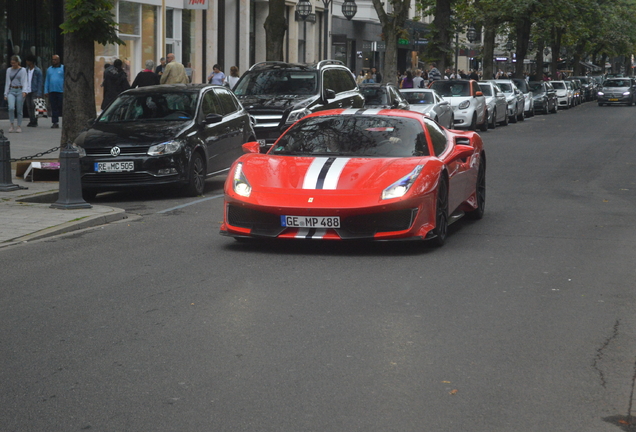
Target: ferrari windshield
x=452, y=88
x=419, y=98
x=278, y=82
x=158, y=106
x=354, y=135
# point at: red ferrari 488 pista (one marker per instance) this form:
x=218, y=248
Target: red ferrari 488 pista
x=357, y=174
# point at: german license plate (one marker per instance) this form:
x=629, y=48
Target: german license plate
x=310, y=221
x=114, y=166
x=613, y=100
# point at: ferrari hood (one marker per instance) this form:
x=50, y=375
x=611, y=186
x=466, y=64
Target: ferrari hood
x=291, y=173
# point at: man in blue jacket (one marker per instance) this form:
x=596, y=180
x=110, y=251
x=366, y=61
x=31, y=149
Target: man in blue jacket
x=36, y=79
x=54, y=89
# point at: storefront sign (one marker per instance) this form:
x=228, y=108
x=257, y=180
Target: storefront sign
x=196, y=4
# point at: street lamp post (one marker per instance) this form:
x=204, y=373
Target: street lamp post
x=304, y=10
x=471, y=35
x=349, y=10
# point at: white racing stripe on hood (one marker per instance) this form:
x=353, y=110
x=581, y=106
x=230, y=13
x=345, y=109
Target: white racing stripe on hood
x=311, y=176
x=324, y=173
x=331, y=181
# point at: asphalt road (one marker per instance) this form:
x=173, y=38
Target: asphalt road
x=523, y=321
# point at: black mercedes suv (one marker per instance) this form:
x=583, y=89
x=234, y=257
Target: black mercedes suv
x=277, y=94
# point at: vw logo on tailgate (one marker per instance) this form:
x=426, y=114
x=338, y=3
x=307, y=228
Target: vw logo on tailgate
x=115, y=151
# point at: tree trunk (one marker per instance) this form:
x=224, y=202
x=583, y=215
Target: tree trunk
x=557, y=33
x=275, y=28
x=441, y=43
x=79, y=88
x=523, y=36
x=538, y=73
x=389, y=70
x=490, y=32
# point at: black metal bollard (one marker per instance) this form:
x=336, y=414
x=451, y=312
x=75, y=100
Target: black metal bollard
x=5, y=165
x=70, y=194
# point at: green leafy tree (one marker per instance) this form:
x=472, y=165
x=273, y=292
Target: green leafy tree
x=86, y=22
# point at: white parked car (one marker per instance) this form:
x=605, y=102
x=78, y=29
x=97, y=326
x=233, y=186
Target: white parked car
x=467, y=100
x=522, y=85
x=564, y=92
x=496, y=104
x=430, y=103
x=514, y=98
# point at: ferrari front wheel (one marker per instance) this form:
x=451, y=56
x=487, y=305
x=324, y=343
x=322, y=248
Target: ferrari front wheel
x=480, y=192
x=441, y=213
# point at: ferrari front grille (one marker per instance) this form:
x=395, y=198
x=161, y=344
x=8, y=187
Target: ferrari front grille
x=369, y=224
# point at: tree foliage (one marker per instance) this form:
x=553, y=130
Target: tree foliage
x=91, y=19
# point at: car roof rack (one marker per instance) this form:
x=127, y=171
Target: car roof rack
x=274, y=64
x=322, y=63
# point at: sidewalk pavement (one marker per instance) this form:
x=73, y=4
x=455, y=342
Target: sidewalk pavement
x=26, y=214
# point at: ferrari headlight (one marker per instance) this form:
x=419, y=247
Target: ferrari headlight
x=402, y=186
x=165, y=148
x=465, y=104
x=297, y=115
x=239, y=183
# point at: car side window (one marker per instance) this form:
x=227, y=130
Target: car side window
x=329, y=80
x=210, y=104
x=475, y=87
x=227, y=101
x=346, y=80
x=438, y=137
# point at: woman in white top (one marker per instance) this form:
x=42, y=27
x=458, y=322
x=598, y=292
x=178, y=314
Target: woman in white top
x=15, y=90
x=233, y=78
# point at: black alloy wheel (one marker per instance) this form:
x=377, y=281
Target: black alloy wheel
x=480, y=191
x=196, y=181
x=441, y=213
x=484, y=125
x=473, y=124
x=522, y=115
x=493, y=123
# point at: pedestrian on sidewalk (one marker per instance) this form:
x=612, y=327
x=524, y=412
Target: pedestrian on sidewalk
x=16, y=88
x=115, y=82
x=174, y=73
x=232, y=79
x=217, y=77
x=54, y=89
x=36, y=82
x=146, y=77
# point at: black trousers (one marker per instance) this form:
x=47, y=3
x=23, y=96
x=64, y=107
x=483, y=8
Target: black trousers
x=56, y=101
x=30, y=105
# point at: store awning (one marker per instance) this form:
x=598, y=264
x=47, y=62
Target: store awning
x=591, y=66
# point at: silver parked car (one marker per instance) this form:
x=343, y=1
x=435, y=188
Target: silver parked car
x=616, y=91
x=496, y=104
x=430, y=103
x=522, y=85
x=515, y=99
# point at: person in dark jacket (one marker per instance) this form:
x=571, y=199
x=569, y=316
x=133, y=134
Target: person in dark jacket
x=115, y=82
x=146, y=77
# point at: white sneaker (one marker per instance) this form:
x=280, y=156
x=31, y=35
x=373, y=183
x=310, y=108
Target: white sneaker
x=11, y=129
x=19, y=129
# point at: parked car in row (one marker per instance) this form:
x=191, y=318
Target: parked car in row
x=496, y=104
x=383, y=96
x=514, y=98
x=544, y=95
x=277, y=94
x=564, y=92
x=467, y=100
x=167, y=135
x=430, y=103
x=528, y=102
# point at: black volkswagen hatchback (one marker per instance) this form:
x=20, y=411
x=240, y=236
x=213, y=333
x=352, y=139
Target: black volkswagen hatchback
x=163, y=135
